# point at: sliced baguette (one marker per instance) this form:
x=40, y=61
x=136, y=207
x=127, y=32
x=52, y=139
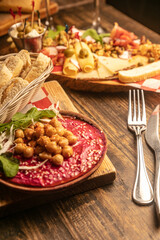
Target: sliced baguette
x=5, y=75
x=25, y=57
x=14, y=64
x=38, y=67
x=15, y=85
x=140, y=73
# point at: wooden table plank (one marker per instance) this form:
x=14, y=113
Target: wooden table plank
x=107, y=212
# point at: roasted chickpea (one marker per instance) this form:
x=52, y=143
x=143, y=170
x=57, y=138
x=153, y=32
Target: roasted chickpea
x=31, y=126
x=39, y=124
x=55, y=138
x=55, y=123
x=58, y=150
x=50, y=130
x=32, y=143
x=39, y=132
x=45, y=155
x=38, y=150
x=72, y=139
x=51, y=147
x=19, y=133
x=43, y=140
x=19, y=140
x=19, y=148
x=28, y=152
x=63, y=142
x=67, y=133
x=57, y=159
x=67, y=151
x=60, y=130
x=28, y=132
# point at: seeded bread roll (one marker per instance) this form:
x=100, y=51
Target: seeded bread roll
x=14, y=64
x=15, y=85
x=38, y=67
x=140, y=73
x=5, y=75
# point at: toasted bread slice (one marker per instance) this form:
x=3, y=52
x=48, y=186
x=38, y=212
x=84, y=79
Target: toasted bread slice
x=140, y=73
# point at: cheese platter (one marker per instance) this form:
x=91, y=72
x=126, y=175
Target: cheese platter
x=115, y=61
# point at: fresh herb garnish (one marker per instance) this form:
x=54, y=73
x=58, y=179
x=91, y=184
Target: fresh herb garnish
x=21, y=120
x=52, y=34
x=9, y=164
x=97, y=37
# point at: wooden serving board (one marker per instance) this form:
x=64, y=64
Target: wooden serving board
x=7, y=21
x=91, y=85
x=12, y=201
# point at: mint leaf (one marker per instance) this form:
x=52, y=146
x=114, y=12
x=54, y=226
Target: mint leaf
x=9, y=164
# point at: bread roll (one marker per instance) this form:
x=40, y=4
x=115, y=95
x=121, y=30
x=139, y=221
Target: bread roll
x=14, y=64
x=5, y=75
x=140, y=73
x=15, y=85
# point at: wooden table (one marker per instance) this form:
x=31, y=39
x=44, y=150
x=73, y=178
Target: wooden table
x=107, y=212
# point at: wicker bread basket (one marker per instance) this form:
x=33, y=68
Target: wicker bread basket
x=22, y=98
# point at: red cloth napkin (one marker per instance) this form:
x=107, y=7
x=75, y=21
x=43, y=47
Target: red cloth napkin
x=41, y=100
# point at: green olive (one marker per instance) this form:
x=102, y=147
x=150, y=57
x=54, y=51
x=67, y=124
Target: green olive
x=35, y=25
x=28, y=29
x=40, y=29
x=20, y=35
x=68, y=52
x=28, y=23
x=83, y=53
x=20, y=28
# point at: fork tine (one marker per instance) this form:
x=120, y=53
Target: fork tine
x=143, y=108
x=134, y=106
x=130, y=107
x=138, y=106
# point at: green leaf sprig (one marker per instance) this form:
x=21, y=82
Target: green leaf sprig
x=23, y=120
x=52, y=34
x=97, y=37
x=9, y=164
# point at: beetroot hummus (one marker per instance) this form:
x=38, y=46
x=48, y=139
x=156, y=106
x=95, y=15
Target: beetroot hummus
x=88, y=150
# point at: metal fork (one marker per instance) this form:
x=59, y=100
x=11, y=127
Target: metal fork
x=142, y=191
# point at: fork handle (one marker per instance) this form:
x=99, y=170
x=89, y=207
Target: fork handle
x=142, y=191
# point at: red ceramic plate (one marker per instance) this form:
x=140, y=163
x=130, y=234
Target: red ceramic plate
x=89, y=152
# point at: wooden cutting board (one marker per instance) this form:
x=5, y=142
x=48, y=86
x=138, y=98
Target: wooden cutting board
x=6, y=19
x=12, y=201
